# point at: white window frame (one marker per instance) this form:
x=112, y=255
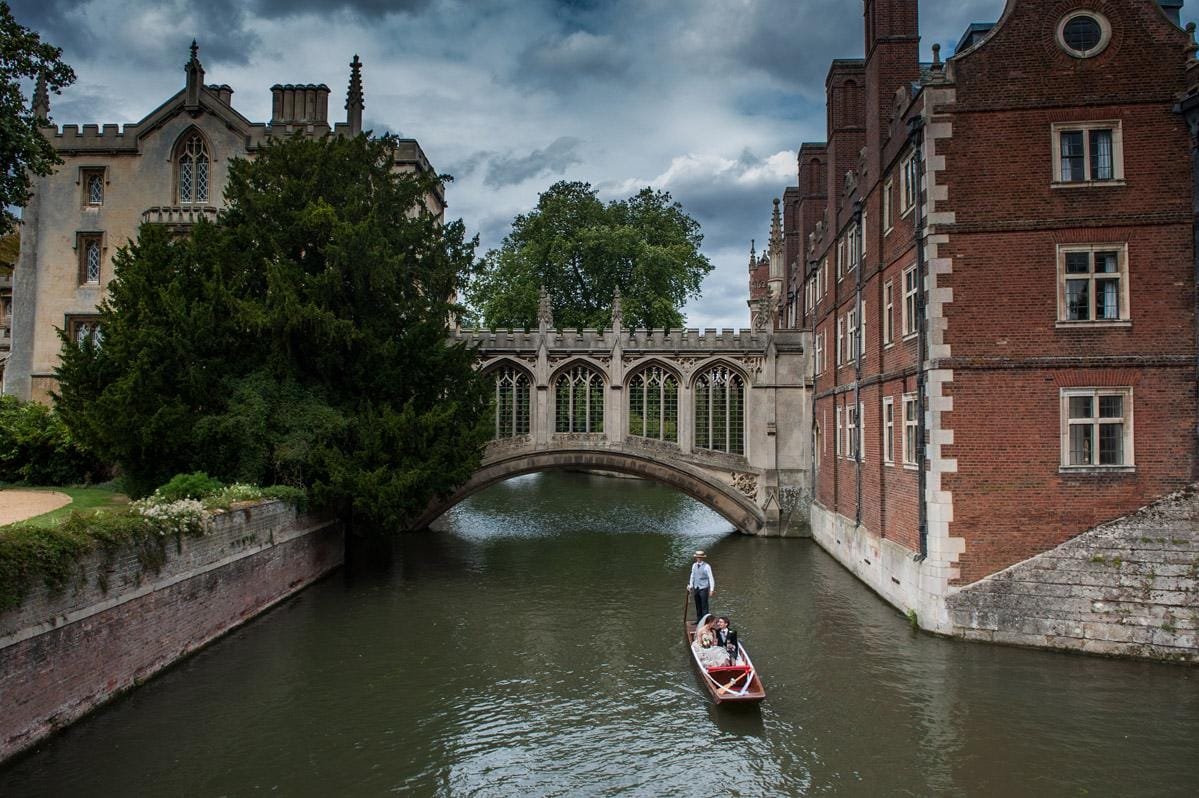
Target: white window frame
x=851, y=429
x=1056, y=131
x=909, y=316
x=824, y=281
x=837, y=438
x=862, y=330
x=853, y=244
x=819, y=354
x=1126, y=420
x=837, y=357
x=889, y=430
x=910, y=429
x=888, y=221
x=909, y=184
x=889, y=313
x=840, y=259
x=1124, y=318
x=851, y=335
x=861, y=453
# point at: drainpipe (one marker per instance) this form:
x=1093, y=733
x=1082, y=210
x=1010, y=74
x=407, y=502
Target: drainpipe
x=916, y=137
x=811, y=324
x=858, y=342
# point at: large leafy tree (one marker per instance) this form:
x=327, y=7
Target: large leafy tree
x=582, y=250
x=23, y=148
x=301, y=339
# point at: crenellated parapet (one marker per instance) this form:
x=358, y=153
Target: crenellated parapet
x=689, y=340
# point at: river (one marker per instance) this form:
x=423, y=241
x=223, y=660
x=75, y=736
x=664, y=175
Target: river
x=533, y=647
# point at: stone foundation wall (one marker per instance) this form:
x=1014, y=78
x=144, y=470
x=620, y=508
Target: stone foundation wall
x=1129, y=587
x=62, y=655
x=887, y=568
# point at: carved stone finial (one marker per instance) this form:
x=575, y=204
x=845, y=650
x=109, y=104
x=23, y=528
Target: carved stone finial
x=617, y=311
x=753, y=257
x=41, y=99
x=545, y=314
x=195, y=80
x=776, y=228
x=354, y=99
x=1191, y=47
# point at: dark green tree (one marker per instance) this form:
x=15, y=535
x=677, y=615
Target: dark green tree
x=302, y=339
x=582, y=251
x=23, y=148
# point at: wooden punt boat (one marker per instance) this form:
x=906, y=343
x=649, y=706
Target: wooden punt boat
x=731, y=684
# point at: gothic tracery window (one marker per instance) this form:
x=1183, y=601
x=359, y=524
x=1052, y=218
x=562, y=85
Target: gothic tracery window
x=654, y=404
x=720, y=410
x=579, y=400
x=511, y=402
x=192, y=158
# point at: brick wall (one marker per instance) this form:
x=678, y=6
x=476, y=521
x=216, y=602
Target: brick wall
x=62, y=655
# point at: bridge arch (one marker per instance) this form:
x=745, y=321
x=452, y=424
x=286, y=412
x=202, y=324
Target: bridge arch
x=579, y=360
x=738, y=509
x=489, y=366
x=707, y=364
x=631, y=370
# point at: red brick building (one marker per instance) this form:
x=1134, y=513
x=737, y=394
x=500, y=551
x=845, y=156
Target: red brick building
x=995, y=257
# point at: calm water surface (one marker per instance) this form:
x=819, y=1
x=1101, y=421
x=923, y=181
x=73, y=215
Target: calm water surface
x=532, y=647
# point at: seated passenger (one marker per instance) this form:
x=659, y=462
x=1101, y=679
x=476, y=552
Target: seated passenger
x=704, y=645
x=726, y=638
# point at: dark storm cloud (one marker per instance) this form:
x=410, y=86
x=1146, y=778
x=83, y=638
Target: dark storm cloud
x=372, y=9
x=510, y=170
x=561, y=63
x=85, y=28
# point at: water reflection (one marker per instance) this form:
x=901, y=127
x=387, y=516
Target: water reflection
x=533, y=647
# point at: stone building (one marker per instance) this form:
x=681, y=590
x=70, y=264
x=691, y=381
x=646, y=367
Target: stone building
x=994, y=255
x=170, y=168
x=9, y=249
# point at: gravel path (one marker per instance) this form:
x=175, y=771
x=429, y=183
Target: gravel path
x=17, y=505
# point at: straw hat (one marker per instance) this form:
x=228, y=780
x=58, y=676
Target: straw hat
x=699, y=554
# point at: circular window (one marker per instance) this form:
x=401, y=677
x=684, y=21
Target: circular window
x=1083, y=34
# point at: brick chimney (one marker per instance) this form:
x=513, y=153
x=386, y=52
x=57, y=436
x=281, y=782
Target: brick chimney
x=892, y=59
x=300, y=104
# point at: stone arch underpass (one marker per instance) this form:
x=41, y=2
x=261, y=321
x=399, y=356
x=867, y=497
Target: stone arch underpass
x=735, y=506
x=720, y=415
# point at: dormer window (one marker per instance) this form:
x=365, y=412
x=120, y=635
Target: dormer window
x=192, y=159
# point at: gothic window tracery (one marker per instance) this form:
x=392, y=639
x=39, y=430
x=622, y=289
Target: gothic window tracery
x=511, y=402
x=720, y=410
x=579, y=400
x=192, y=159
x=654, y=404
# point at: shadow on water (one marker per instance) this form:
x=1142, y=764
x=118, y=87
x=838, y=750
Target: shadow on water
x=531, y=645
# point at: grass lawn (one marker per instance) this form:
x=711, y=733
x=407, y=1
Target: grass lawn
x=83, y=501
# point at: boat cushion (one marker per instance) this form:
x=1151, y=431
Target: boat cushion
x=725, y=673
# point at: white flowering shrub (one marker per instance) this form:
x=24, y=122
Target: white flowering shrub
x=182, y=517
x=237, y=492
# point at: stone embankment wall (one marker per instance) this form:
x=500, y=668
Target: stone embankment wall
x=62, y=655
x=1127, y=588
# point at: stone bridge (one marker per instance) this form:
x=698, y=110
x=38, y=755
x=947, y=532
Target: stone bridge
x=718, y=415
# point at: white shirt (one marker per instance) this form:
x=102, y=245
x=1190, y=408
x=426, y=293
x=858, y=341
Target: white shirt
x=701, y=576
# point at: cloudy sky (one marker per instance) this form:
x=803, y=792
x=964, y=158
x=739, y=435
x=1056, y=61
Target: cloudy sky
x=707, y=99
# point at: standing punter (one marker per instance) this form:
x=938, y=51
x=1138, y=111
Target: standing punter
x=703, y=583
